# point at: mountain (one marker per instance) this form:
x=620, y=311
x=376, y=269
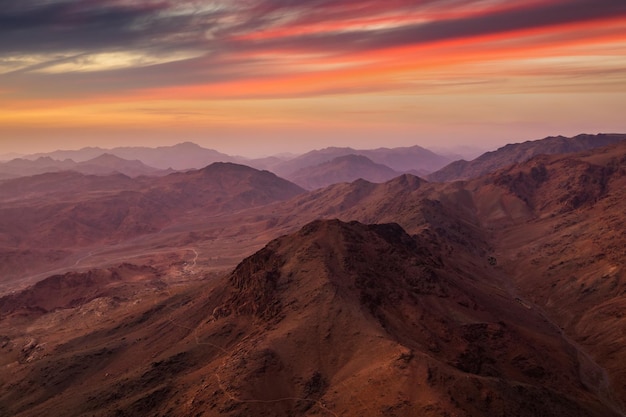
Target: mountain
x=406, y=159
x=337, y=318
x=179, y=157
x=341, y=169
x=80, y=155
x=520, y=152
x=74, y=289
x=24, y=167
x=268, y=163
x=182, y=156
x=500, y=295
x=399, y=159
x=105, y=164
x=45, y=218
x=223, y=186
x=551, y=225
x=188, y=155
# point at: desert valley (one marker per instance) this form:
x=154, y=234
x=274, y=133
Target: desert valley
x=180, y=281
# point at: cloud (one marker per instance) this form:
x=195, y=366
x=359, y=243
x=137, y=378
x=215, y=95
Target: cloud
x=476, y=21
x=38, y=26
x=98, y=46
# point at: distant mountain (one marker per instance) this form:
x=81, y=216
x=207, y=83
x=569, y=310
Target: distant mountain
x=183, y=156
x=63, y=185
x=188, y=155
x=520, y=152
x=67, y=210
x=20, y=167
x=341, y=169
x=268, y=163
x=105, y=164
x=407, y=158
x=179, y=157
x=399, y=159
x=79, y=155
x=220, y=187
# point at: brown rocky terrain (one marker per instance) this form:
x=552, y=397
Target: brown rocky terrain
x=501, y=295
x=520, y=152
x=337, y=319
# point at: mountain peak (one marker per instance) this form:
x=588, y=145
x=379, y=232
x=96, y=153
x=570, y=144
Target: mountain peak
x=327, y=254
x=345, y=168
x=107, y=157
x=187, y=146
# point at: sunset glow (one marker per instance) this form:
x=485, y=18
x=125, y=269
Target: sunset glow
x=270, y=76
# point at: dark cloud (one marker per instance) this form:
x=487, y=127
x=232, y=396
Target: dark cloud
x=74, y=29
x=37, y=26
x=546, y=14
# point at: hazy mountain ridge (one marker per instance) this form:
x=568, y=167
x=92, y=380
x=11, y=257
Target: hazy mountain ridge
x=187, y=155
x=399, y=159
x=182, y=156
x=520, y=152
x=346, y=168
x=104, y=164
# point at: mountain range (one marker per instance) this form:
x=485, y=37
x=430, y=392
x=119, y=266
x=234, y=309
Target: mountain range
x=346, y=168
x=231, y=291
x=520, y=152
x=187, y=155
x=49, y=217
x=182, y=156
x=104, y=164
x=401, y=159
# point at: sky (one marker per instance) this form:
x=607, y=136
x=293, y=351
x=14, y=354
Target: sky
x=258, y=77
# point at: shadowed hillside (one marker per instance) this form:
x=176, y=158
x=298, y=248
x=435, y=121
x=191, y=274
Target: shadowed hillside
x=337, y=319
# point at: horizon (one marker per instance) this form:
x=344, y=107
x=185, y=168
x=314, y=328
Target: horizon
x=462, y=150
x=271, y=77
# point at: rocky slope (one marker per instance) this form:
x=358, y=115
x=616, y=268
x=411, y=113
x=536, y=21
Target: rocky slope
x=520, y=152
x=336, y=319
